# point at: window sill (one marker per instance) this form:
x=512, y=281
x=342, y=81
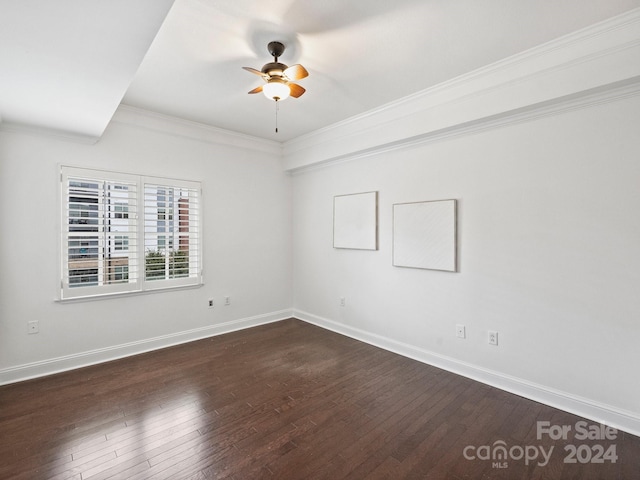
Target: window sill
x=107, y=296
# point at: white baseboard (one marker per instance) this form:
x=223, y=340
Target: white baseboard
x=84, y=359
x=584, y=407
x=597, y=412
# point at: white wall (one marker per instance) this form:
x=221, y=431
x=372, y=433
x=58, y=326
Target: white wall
x=247, y=244
x=549, y=236
x=541, y=150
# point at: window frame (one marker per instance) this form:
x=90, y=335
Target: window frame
x=135, y=251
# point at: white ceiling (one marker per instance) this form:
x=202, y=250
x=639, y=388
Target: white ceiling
x=65, y=64
x=360, y=54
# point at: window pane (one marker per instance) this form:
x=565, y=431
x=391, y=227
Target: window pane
x=101, y=232
x=171, y=247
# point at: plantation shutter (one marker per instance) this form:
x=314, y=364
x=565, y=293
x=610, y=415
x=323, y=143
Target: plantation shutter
x=171, y=234
x=124, y=233
x=100, y=240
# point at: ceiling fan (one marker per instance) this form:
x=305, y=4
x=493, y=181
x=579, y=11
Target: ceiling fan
x=279, y=77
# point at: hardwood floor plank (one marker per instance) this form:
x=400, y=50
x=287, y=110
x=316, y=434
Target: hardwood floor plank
x=286, y=400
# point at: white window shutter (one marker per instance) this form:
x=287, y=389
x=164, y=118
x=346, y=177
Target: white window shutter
x=124, y=233
x=171, y=233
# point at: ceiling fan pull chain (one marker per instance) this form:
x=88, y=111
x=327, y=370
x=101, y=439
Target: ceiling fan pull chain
x=277, y=108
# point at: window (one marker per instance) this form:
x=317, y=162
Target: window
x=120, y=243
x=120, y=233
x=120, y=210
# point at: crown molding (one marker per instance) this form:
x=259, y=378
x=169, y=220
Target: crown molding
x=175, y=126
x=622, y=91
x=600, y=57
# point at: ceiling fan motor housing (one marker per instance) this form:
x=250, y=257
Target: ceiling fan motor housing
x=274, y=69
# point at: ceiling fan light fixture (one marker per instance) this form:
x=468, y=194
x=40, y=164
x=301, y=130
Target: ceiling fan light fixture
x=276, y=89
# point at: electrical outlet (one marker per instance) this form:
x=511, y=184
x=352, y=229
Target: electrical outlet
x=460, y=331
x=343, y=302
x=33, y=327
x=493, y=337
x=227, y=300
x=211, y=304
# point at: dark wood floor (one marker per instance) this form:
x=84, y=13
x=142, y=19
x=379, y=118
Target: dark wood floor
x=285, y=401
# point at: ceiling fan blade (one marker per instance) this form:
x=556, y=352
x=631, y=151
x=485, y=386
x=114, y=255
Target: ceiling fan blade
x=295, y=72
x=253, y=70
x=256, y=90
x=296, y=90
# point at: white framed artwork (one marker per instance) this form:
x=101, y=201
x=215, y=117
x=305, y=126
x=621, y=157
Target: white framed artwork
x=424, y=235
x=355, y=221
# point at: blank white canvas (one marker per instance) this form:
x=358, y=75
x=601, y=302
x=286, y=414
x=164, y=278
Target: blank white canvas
x=424, y=235
x=355, y=221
